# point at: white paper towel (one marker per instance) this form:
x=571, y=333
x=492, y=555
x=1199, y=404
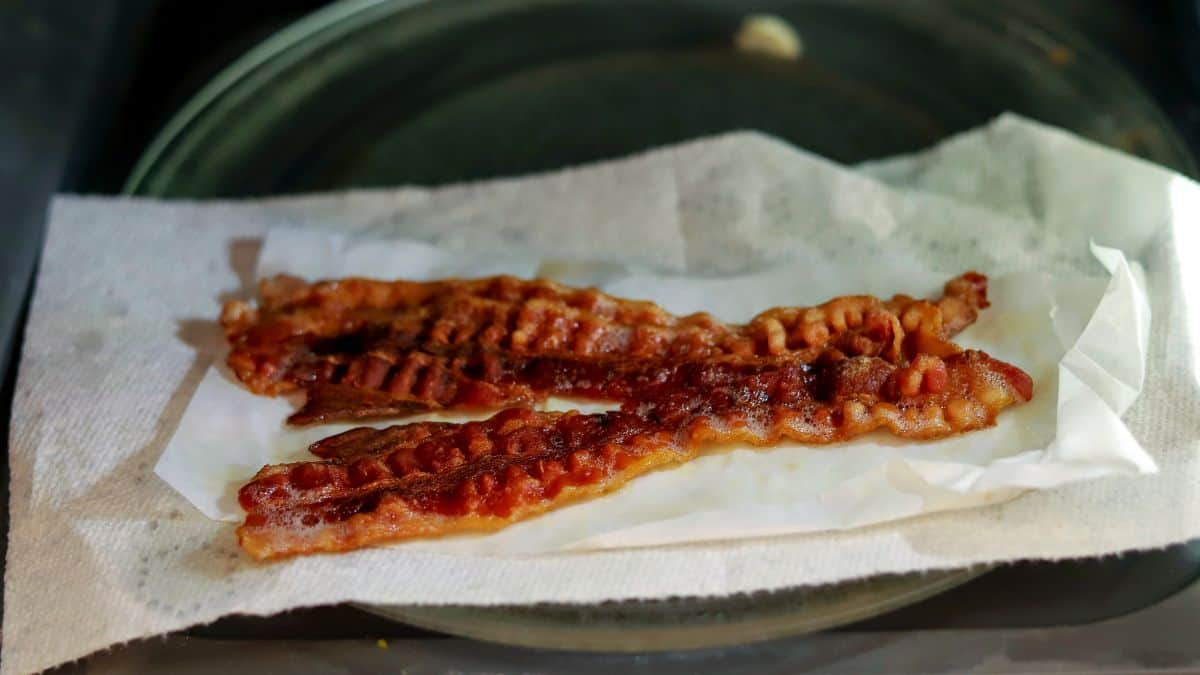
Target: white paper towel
x=121, y=333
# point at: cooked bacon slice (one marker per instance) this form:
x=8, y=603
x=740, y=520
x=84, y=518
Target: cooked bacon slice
x=332, y=321
x=420, y=341
x=491, y=380
x=430, y=479
x=391, y=382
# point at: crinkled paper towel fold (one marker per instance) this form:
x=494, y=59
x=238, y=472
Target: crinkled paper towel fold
x=121, y=336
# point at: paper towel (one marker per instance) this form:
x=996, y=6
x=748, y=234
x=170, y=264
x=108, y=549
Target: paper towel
x=121, y=333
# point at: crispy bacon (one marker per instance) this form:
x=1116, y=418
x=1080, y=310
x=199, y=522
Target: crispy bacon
x=305, y=333
x=494, y=379
x=385, y=383
x=371, y=348
x=430, y=479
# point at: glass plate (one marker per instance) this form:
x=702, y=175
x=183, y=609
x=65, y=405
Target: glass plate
x=376, y=92
x=369, y=93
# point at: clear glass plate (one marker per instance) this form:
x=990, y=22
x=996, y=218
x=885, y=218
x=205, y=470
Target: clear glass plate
x=377, y=92
x=372, y=92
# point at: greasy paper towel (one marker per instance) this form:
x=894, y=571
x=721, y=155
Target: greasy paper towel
x=121, y=332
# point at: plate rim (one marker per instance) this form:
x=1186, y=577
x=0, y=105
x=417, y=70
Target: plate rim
x=520, y=625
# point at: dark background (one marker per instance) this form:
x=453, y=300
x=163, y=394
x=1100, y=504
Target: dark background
x=87, y=83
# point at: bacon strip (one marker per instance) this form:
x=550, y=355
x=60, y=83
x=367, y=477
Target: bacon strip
x=300, y=329
x=407, y=346
x=422, y=479
x=490, y=380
